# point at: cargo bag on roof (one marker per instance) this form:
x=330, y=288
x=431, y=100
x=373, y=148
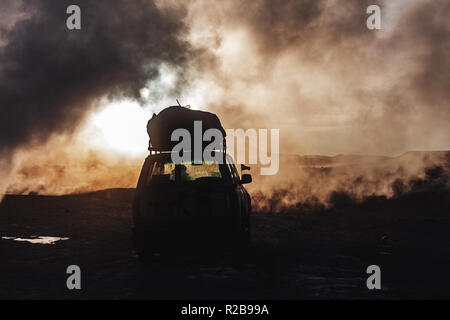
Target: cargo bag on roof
x=161, y=126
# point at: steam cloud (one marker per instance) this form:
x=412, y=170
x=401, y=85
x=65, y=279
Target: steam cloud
x=50, y=75
x=308, y=67
x=336, y=86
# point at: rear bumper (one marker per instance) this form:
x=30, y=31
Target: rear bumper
x=182, y=232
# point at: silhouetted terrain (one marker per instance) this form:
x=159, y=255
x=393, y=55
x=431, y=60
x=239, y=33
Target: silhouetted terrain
x=296, y=254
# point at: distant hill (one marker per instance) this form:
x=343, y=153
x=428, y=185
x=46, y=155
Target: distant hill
x=344, y=159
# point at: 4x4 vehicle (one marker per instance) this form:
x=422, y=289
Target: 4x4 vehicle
x=190, y=204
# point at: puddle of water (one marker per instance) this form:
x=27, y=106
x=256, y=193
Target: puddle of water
x=39, y=240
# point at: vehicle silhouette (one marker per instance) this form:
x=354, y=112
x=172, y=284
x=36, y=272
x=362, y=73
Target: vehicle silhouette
x=190, y=206
x=182, y=204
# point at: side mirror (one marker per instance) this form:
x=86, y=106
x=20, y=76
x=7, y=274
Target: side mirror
x=246, y=178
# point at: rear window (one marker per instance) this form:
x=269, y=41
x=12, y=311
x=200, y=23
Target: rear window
x=161, y=172
x=187, y=171
x=192, y=172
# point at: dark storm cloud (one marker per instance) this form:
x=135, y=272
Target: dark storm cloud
x=49, y=75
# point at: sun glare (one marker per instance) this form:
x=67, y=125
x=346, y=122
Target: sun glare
x=123, y=127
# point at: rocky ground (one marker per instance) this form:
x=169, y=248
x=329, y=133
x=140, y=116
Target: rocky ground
x=294, y=255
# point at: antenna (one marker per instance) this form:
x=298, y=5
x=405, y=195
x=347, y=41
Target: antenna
x=186, y=106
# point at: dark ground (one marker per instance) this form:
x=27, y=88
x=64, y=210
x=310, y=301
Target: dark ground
x=315, y=255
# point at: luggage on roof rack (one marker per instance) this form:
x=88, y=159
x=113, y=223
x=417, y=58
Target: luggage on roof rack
x=161, y=126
